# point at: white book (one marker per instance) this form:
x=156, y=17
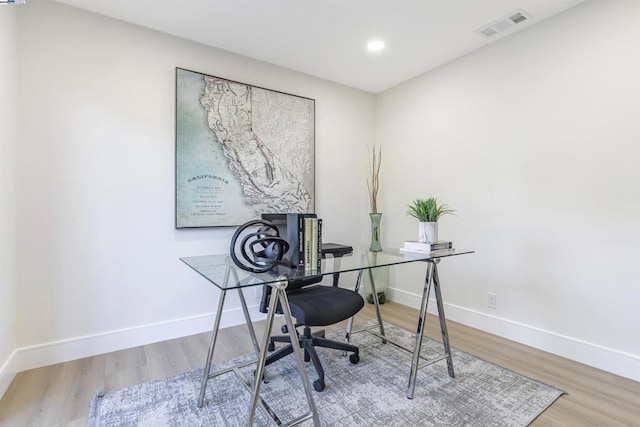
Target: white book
x=414, y=251
x=307, y=243
x=420, y=252
x=314, y=244
x=427, y=247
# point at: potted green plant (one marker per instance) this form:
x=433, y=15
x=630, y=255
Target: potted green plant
x=428, y=212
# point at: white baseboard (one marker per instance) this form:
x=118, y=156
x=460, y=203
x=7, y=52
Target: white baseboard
x=610, y=360
x=91, y=345
x=8, y=372
x=616, y=362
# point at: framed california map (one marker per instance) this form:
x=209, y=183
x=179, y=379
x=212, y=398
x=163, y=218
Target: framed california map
x=241, y=151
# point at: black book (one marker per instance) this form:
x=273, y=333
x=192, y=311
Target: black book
x=295, y=237
x=319, y=244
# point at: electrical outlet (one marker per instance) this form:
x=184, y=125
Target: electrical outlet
x=491, y=300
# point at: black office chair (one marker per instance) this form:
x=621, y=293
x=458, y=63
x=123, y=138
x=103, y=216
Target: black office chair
x=314, y=305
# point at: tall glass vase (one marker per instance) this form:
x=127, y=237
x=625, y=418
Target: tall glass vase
x=376, y=245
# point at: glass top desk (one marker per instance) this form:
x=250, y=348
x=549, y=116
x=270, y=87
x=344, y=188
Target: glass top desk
x=224, y=274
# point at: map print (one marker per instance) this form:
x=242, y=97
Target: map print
x=240, y=151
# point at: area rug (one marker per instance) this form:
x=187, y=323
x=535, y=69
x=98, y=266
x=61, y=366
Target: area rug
x=371, y=393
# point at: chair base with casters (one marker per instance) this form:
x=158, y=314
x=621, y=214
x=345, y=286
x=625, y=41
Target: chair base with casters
x=308, y=340
x=318, y=306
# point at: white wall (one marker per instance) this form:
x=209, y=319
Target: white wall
x=525, y=138
x=98, y=253
x=535, y=141
x=7, y=197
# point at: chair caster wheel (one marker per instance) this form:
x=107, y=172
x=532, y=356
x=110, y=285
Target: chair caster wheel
x=271, y=346
x=318, y=385
x=354, y=358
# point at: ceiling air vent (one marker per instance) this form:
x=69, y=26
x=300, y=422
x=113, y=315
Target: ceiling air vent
x=517, y=18
x=504, y=24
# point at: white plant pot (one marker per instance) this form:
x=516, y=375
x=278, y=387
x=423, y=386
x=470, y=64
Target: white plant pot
x=427, y=232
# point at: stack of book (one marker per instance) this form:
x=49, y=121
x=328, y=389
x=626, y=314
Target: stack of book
x=426, y=248
x=304, y=234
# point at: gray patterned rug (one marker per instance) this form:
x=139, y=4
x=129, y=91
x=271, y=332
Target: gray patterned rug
x=371, y=393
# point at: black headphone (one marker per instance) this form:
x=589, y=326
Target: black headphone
x=270, y=247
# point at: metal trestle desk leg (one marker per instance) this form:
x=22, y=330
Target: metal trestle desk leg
x=207, y=375
x=279, y=295
x=350, y=321
x=431, y=278
x=443, y=322
x=376, y=302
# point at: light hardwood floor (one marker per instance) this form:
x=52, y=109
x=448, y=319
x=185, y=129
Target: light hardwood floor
x=59, y=395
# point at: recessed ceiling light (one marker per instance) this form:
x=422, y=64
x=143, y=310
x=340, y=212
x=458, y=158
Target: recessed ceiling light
x=375, y=45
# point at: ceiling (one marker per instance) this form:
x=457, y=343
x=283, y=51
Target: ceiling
x=327, y=38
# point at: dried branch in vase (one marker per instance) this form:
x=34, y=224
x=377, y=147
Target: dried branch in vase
x=373, y=182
